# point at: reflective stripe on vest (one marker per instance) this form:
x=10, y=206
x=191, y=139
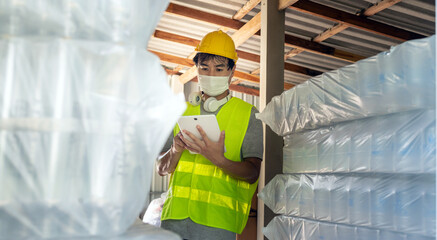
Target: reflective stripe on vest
x=203, y=192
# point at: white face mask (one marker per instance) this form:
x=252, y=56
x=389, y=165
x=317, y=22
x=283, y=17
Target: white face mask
x=213, y=85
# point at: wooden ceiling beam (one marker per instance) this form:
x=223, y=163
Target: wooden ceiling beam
x=189, y=63
x=256, y=71
x=248, y=6
x=318, y=48
x=330, y=32
x=238, y=88
x=237, y=81
x=246, y=77
x=283, y=4
x=172, y=72
x=379, y=6
x=176, y=38
x=241, y=54
x=293, y=52
x=248, y=90
x=188, y=75
x=288, y=86
x=173, y=59
x=375, y=8
x=236, y=25
x=243, y=89
x=203, y=16
x=248, y=30
x=360, y=22
x=194, y=42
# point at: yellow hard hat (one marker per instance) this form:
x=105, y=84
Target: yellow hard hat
x=218, y=43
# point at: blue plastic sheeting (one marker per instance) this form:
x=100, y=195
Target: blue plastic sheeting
x=399, y=80
x=403, y=202
x=396, y=143
x=84, y=112
x=292, y=228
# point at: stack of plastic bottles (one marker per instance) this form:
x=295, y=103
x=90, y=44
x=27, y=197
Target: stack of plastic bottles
x=84, y=112
x=359, y=151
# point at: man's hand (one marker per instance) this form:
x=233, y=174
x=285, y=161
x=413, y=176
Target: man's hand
x=168, y=162
x=246, y=170
x=213, y=151
x=178, y=145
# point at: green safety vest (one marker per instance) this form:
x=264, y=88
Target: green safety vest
x=203, y=192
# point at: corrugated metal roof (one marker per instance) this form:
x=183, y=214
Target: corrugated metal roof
x=224, y=8
x=413, y=15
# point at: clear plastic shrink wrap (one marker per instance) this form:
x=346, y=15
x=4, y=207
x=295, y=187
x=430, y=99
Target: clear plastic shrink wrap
x=403, y=203
x=399, y=80
x=292, y=228
x=83, y=117
x=138, y=231
x=129, y=22
x=395, y=143
x=141, y=231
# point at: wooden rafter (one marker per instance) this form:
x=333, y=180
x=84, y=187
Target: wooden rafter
x=173, y=59
x=238, y=88
x=188, y=75
x=248, y=30
x=293, y=52
x=288, y=86
x=236, y=25
x=176, y=38
x=194, y=42
x=379, y=6
x=241, y=54
x=248, y=6
x=172, y=72
x=178, y=68
x=375, y=8
x=192, y=55
x=246, y=77
x=285, y=3
x=248, y=90
x=330, y=32
x=242, y=89
x=318, y=48
x=360, y=22
x=256, y=71
x=203, y=16
x=189, y=63
x=237, y=81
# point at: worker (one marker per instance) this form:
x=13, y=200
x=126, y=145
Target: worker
x=210, y=192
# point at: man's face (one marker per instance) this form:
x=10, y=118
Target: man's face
x=214, y=67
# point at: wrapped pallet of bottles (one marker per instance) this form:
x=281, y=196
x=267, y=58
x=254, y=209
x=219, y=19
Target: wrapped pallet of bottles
x=359, y=151
x=84, y=112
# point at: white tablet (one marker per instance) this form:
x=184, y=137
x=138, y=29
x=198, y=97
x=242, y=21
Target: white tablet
x=208, y=123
